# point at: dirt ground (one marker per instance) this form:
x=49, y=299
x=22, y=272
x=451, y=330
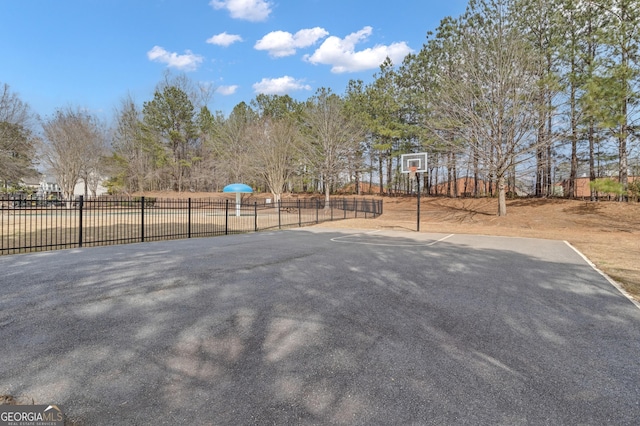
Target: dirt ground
x=608, y=233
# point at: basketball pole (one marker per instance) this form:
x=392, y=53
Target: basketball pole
x=418, y=209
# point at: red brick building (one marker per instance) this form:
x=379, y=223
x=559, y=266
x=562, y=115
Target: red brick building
x=583, y=190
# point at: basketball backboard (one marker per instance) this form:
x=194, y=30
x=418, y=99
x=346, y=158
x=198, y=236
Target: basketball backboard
x=416, y=163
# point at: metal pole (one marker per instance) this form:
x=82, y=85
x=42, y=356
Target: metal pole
x=226, y=217
x=80, y=222
x=418, y=210
x=142, y=219
x=189, y=218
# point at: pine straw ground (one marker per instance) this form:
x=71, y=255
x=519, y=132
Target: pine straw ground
x=607, y=232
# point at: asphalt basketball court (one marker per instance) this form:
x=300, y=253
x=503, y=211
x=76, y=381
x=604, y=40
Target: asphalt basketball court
x=321, y=326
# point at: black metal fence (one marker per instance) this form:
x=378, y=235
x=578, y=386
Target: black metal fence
x=38, y=225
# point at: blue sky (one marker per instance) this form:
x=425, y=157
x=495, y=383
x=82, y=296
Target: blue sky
x=93, y=53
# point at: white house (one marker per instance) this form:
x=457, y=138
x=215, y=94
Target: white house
x=47, y=187
x=42, y=187
x=80, y=186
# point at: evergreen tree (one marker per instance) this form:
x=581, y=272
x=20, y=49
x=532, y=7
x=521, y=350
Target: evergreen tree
x=171, y=116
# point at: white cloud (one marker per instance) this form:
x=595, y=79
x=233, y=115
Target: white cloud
x=224, y=39
x=341, y=54
x=279, y=86
x=187, y=62
x=282, y=43
x=250, y=10
x=227, y=90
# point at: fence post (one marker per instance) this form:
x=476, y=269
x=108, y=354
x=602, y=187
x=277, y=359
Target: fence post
x=355, y=208
x=142, y=219
x=317, y=210
x=279, y=214
x=299, y=215
x=344, y=207
x=189, y=218
x=226, y=217
x=255, y=216
x=80, y=221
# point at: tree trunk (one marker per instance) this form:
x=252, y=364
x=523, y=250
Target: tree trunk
x=549, y=167
x=371, y=169
x=449, y=176
x=327, y=193
x=380, y=175
x=624, y=173
x=476, y=172
x=389, y=170
x=592, y=162
x=502, y=199
x=454, y=172
x=574, y=144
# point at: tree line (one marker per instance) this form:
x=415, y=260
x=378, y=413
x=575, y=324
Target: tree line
x=512, y=94
x=533, y=88
x=275, y=142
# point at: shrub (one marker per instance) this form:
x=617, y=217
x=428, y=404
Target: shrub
x=633, y=189
x=607, y=186
x=148, y=201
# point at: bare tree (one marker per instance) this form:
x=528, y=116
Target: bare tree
x=491, y=100
x=231, y=146
x=275, y=146
x=17, y=144
x=71, y=139
x=332, y=138
x=97, y=165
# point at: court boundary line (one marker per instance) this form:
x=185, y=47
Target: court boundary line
x=611, y=281
x=441, y=240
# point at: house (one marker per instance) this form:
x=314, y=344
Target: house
x=583, y=188
x=41, y=187
x=49, y=188
x=31, y=185
x=79, y=190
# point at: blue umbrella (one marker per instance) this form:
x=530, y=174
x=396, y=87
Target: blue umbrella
x=238, y=188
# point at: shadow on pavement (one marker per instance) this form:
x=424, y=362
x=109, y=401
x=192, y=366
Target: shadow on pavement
x=294, y=328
